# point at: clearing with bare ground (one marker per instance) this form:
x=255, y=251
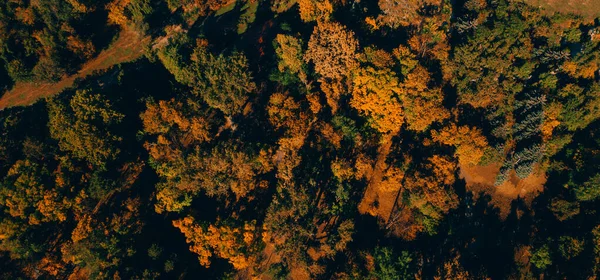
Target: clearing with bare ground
x=480, y=181
x=373, y=195
x=587, y=8
x=128, y=47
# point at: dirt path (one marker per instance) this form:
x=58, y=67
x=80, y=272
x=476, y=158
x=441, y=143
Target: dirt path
x=128, y=47
x=374, y=201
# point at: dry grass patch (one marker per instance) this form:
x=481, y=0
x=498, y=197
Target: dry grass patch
x=589, y=9
x=480, y=181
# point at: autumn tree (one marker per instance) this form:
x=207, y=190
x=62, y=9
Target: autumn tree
x=375, y=94
x=426, y=196
x=40, y=40
x=226, y=169
x=235, y=244
x=453, y=269
x=469, y=142
x=177, y=119
x=101, y=245
x=82, y=125
x=33, y=208
x=332, y=48
x=27, y=194
x=289, y=115
x=311, y=10
x=130, y=13
x=280, y=6
x=422, y=102
x=290, y=55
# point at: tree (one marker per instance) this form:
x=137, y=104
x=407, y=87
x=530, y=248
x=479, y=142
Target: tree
x=311, y=10
x=289, y=51
x=224, y=82
x=452, y=269
x=183, y=123
x=427, y=197
x=596, y=247
x=27, y=194
x=375, y=94
x=422, y=103
x=489, y=57
x=228, y=168
x=582, y=106
x=570, y=247
x=83, y=125
x=40, y=41
x=128, y=13
x=332, y=49
x=280, y=6
x=101, y=246
x=469, y=142
x=400, y=13
x=590, y=190
x=389, y=266
x=563, y=209
x=541, y=258
x=234, y=244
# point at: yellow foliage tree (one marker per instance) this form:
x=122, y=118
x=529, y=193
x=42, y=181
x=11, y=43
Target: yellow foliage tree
x=116, y=12
x=375, y=94
x=290, y=55
x=314, y=9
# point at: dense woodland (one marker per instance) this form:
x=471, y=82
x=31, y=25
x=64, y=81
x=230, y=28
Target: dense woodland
x=302, y=139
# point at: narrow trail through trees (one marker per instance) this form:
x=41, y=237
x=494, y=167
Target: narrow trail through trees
x=128, y=47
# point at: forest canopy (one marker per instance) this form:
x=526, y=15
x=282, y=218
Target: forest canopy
x=299, y=139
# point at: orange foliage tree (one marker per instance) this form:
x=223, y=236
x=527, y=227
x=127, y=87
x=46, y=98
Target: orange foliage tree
x=375, y=94
x=27, y=194
x=170, y=116
x=332, y=48
x=469, y=142
x=226, y=169
x=422, y=103
x=234, y=244
x=427, y=195
x=314, y=9
x=185, y=167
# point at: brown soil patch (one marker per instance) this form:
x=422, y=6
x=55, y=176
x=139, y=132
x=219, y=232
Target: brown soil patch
x=480, y=180
x=128, y=47
x=375, y=201
x=589, y=9
x=269, y=257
